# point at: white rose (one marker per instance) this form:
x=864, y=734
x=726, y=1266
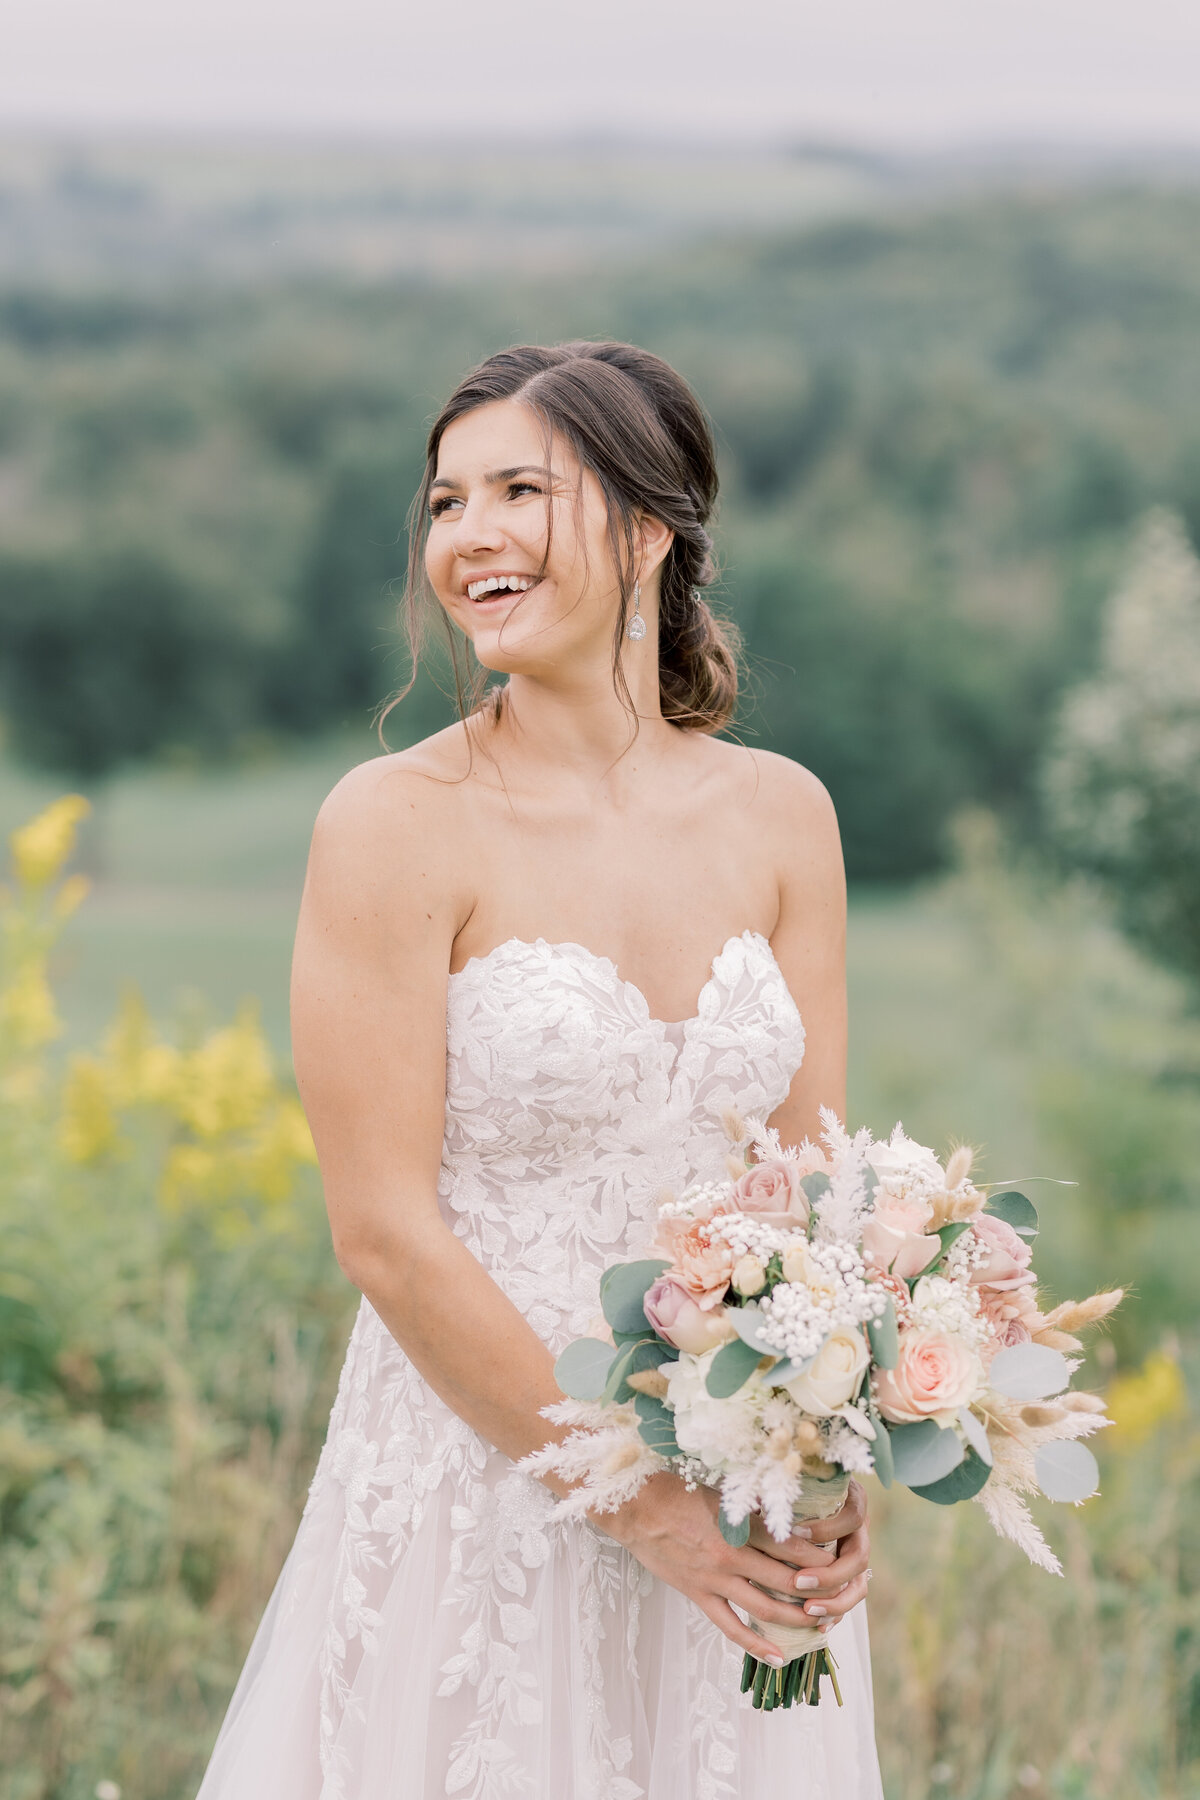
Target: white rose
x=833, y=1375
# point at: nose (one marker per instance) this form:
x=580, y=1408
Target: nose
x=477, y=527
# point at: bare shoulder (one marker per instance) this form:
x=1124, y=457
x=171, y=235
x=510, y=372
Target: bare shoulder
x=786, y=801
x=396, y=825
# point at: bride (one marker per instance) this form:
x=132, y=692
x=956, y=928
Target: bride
x=538, y=956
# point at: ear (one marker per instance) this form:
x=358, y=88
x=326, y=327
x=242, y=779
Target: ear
x=654, y=540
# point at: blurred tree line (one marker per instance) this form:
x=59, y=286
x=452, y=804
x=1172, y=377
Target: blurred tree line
x=938, y=429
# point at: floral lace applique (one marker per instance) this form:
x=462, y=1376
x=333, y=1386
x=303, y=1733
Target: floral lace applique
x=568, y=1110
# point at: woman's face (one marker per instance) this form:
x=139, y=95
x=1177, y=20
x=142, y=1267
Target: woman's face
x=492, y=499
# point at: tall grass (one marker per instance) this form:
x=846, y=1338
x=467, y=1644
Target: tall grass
x=171, y=1323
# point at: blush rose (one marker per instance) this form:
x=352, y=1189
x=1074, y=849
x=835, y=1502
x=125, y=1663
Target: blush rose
x=771, y=1190
x=934, y=1374
x=678, y=1318
x=1007, y=1266
x=895, y=1238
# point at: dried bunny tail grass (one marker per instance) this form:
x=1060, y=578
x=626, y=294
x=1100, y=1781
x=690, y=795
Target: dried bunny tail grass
x=649, y=1381
x=959, y=1165
x=734, y=1126
x=1073, y=1315
x=735, y=1167
x=1085, y=1402
x=950, y=1208
x=1040, y=1416
x=1056, y=1340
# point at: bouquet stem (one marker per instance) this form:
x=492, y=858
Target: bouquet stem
x=808, y=1656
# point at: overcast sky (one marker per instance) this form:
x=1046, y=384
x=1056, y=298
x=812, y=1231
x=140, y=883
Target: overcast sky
x=475, y=72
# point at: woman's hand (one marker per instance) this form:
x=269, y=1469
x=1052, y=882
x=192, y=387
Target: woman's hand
x=674, y=1533
x=833, y=1579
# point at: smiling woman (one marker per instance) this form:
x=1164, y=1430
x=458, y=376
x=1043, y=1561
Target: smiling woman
x=540, y=956
x=610, y=445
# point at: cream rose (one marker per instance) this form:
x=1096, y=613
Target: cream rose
x=935, y=1374
x=832, y=1378
x=895, y=1238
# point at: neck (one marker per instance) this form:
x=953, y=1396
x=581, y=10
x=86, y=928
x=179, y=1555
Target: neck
x=579, y=724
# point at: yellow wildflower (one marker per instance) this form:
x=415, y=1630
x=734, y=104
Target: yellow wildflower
x=226, y=1084
x=88, y=1126
x=42, y=847
x=283, y=1142
x=142, y=1069
x=27, y=1012
x=1140, y=1402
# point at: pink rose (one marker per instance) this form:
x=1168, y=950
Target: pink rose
x=771, y=1190
x=701, y=1268
x=1007, y=1266
x=676, y=1317
x=935, y=1374
x=894, y=1236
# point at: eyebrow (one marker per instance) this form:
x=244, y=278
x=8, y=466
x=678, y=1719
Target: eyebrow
x=495, y=476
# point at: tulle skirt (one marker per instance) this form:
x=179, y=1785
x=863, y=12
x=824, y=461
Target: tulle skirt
x=435, y=1633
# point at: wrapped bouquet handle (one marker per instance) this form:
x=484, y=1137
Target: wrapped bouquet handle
x=807, y=1656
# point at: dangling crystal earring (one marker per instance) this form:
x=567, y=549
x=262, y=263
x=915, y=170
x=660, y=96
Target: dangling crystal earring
x=637, y=625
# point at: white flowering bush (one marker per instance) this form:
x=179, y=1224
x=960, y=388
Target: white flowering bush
x=1122, y=783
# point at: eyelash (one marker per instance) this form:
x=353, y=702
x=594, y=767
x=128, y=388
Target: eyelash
x=438, y=507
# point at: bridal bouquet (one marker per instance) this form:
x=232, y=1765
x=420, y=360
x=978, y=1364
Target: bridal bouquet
x=829, y=1310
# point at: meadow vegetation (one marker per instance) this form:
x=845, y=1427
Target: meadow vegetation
x=172, y=1321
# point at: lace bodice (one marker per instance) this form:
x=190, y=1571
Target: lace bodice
x=569, y=1109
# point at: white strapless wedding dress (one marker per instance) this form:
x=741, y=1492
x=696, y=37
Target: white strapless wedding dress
x=434, y=1632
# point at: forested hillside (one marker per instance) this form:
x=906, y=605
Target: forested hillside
x=938, y=421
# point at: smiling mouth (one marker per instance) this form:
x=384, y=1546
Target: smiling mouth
x=499, y=587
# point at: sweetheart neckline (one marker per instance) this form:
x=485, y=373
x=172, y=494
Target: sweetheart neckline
x=567, y=945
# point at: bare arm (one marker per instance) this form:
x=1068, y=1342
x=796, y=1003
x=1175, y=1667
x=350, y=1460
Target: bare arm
x=809, y=942
x=381, y=908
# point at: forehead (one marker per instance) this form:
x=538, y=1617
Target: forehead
x=501, y=435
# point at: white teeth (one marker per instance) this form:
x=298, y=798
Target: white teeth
x=516, y=584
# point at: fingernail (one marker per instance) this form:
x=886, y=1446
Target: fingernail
x=807, y=1581
x=804, y=1531
x=776, y=1662
x=813, y=1610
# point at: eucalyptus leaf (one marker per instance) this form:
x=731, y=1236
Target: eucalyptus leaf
x=748, y=1322
x=881, y=1449
x=656, y=1424
x=815, y=1185
x=631, y=1359
x=951, y=1233
x=962, y=1483
x=885, y=1337
x=787, y=1370
x=623, y=1290
x=1066, y=1470
x=924, y=1452
x=1029, y=1372
x=582, y=1369
x=731, y=1368
x=1016, y=1210
x=737, y=1535
x=975, y=1432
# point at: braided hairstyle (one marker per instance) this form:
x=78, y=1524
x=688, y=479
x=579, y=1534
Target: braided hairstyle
x=637, y=426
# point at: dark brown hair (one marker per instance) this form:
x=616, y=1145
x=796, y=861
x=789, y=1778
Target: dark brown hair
x=637, y=426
